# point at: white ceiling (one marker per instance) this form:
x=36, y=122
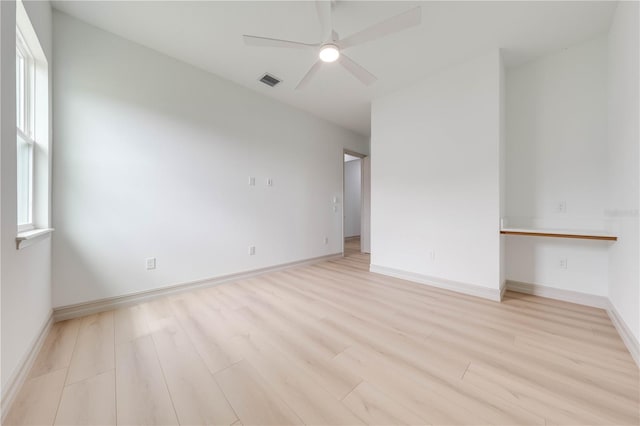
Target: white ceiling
x=208, y=35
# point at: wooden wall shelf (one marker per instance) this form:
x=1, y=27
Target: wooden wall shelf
x=555, y=233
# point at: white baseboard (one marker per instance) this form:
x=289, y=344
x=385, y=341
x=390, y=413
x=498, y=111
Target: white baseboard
x=625, y=333
x=602, y=302
x=503, y=288
x=107, y=304
x=470, y=289
x=559, y=294
x=19, y=376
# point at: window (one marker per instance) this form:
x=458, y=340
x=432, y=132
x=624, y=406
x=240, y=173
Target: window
x=25, y=119
x=33, y=135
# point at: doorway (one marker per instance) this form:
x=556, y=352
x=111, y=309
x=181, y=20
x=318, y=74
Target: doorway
x=356, y=193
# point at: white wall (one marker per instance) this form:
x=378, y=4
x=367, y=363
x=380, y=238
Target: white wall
x=365, y=212
x=153, y=158
x=435, y=170
x=556, y=153
x=352, y=197
x=624, y=160
x=502, y=178
x=26, y=273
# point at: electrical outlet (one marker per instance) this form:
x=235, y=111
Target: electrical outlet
x=561, y=207
x=151, y=263
x=432, y=255
x=563, y=263
x=326, y=240
x=252, y=181
x=270, y=182
x=252, y=250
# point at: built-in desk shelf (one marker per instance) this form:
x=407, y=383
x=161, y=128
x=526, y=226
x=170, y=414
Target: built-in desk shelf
x=560, y=233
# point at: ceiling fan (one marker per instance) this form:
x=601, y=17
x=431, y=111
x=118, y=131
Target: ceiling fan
x=331, y=50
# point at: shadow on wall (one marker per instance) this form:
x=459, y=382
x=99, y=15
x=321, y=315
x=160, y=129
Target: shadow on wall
x=153, y=158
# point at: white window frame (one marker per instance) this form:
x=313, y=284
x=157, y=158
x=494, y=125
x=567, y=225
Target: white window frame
x=28, y=225
x=25, y=127
x=33, y=135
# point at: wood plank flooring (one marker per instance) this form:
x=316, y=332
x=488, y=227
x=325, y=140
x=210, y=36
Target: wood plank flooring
x=333, y=344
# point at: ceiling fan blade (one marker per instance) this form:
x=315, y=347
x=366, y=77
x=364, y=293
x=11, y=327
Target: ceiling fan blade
x=307, y=77
x=274, y=42
x=408, y=19
x=323, y=7
x=357, y=70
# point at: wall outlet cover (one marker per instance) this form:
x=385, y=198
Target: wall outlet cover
x=151, y=263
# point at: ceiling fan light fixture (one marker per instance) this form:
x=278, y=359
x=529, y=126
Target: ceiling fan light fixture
x=330, y=50
x=329, y=53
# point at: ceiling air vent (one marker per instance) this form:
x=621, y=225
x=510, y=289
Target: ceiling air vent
x=270, y=80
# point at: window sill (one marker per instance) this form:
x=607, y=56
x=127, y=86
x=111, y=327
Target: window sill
x=26, y=238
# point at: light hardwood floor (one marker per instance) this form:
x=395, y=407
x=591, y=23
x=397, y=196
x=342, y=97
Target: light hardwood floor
x=333, y=344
